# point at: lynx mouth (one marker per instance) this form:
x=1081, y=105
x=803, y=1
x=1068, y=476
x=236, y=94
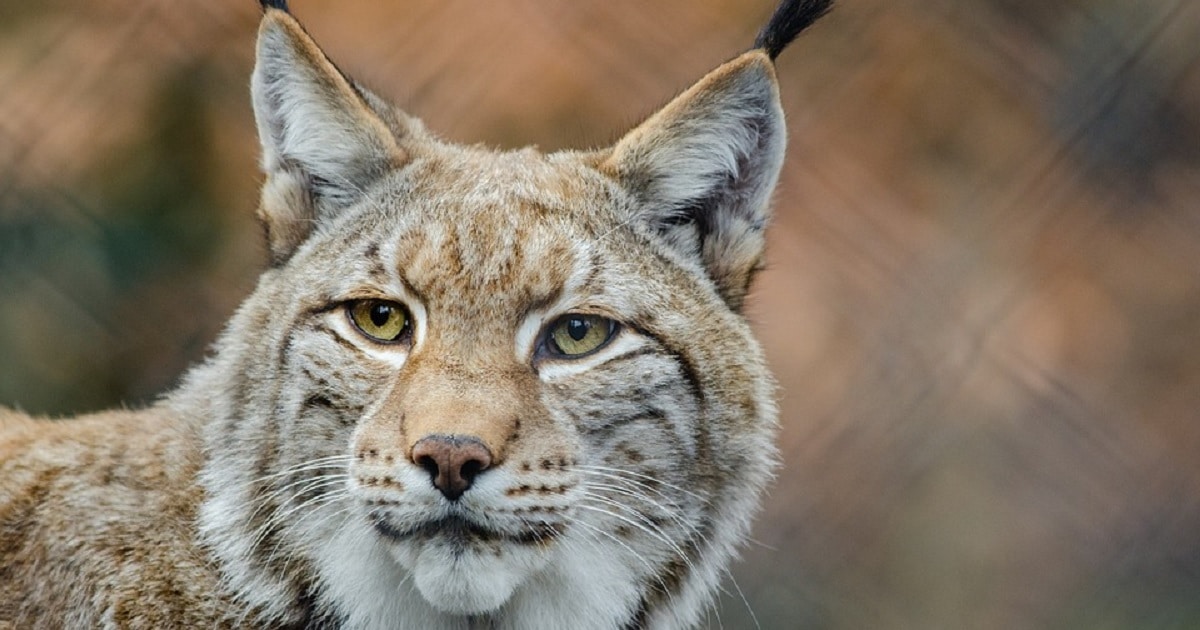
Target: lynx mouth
x=463, y=567
x=461, y=531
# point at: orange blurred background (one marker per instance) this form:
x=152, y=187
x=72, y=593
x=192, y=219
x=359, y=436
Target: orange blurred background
x=983, y=300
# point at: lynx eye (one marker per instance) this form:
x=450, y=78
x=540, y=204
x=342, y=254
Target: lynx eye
x=380, y=320
x=575, y=335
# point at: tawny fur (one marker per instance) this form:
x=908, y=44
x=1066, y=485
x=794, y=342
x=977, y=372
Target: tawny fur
x=278, y=486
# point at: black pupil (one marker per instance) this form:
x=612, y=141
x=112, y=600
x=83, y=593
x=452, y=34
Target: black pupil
x=381, y=314
x=578, y=328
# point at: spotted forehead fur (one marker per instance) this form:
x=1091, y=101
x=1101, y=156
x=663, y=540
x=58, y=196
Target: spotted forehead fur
x=476, y=231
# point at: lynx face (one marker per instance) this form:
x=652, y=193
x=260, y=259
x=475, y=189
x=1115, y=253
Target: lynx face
x=533, y=402
x=517, y=382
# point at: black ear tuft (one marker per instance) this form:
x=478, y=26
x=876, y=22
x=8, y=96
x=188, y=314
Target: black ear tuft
x=791, y=17
x=274, y=4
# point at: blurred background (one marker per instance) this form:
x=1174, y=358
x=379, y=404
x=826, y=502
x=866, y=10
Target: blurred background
x=983, y=300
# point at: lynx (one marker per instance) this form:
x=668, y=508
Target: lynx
x=473, y=389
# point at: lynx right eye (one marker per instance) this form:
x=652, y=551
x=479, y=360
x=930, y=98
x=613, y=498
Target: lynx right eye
x=381, y=320
x=577, y=334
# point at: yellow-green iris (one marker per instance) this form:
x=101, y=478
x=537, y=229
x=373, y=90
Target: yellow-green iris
x=380, y=320
x=577, y=334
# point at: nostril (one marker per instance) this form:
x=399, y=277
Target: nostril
x=452, y=461
x=470, y=468
x=429, y=464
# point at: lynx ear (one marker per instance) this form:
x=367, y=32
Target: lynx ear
x=322, y=143
x=704, y=167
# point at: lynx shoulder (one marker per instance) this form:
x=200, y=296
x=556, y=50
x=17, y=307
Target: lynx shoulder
x=473, y=388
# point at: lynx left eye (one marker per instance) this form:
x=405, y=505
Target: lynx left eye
x=381, y=320
x=575, y=335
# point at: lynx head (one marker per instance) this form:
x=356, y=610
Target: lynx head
x=518, y=382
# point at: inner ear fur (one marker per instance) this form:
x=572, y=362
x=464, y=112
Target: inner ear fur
x=323, y=141
x=704, y=166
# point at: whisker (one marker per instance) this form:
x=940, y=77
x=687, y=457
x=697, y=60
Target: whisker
x=633, y=476
x=300, y=486
x=674, y=512
x=311, y=464
x=650, y=571
x=749, y=609
x=672, y=515
x=346, y=510
x=310, y=507
x=306, y=485
x=279, y=515
x=655, y=533
x=671, y=512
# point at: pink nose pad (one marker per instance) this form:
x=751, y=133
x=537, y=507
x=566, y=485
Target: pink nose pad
x=452, y=461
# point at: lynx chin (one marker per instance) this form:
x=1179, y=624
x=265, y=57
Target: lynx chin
x=473, y=389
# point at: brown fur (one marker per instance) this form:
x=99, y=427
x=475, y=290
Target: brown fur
x=278, y=485
x=115, y=517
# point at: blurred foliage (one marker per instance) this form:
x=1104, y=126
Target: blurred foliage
x=983, y=304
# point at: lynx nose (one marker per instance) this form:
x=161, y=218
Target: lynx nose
x=452, y=461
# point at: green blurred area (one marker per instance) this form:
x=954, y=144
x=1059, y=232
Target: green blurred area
x=983, y=300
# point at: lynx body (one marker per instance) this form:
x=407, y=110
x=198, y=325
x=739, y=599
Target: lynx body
x=473, y=389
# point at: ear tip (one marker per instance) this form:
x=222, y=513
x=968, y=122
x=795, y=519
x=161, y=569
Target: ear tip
x=790, y=18
x=268, y=5
x=279, y=26
x=273, y=15
x=758, y=59
x=752, y=65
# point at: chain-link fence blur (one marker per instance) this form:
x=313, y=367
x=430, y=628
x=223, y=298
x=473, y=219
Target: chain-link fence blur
x=983, y=299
